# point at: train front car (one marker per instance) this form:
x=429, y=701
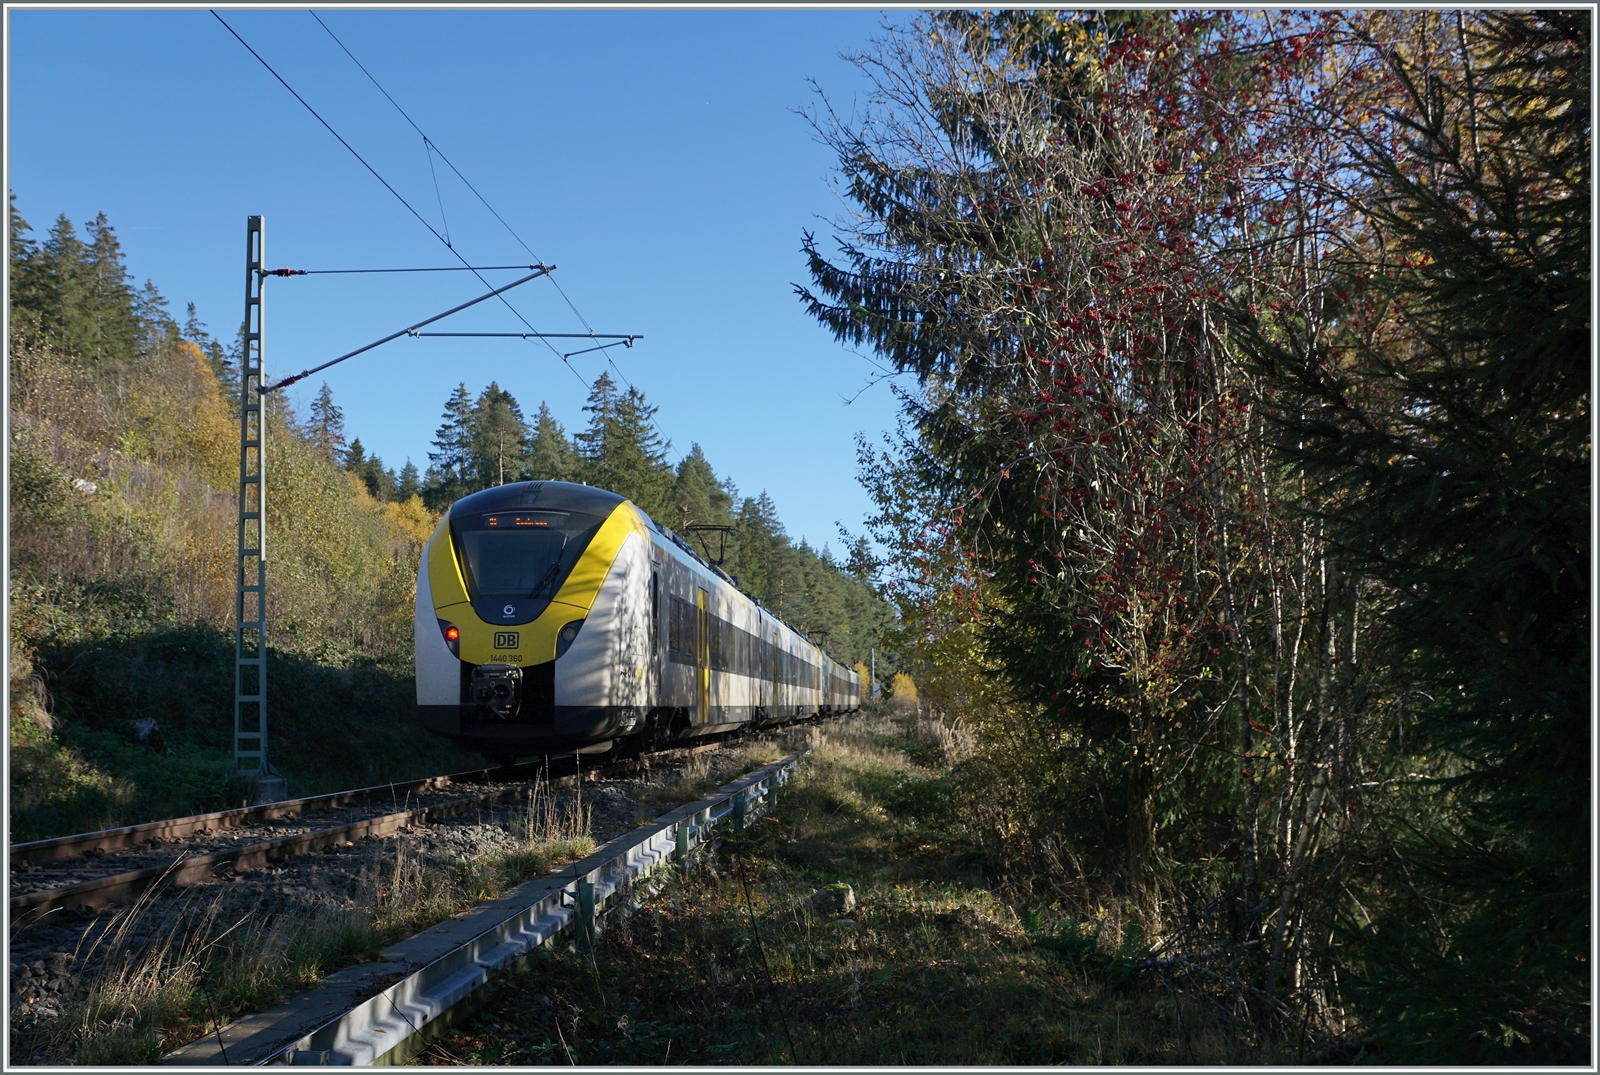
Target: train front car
x=531, y=637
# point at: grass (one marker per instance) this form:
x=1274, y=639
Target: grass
x=734, y=963
x=172, y=970
x=704, y=773
x=338, y=720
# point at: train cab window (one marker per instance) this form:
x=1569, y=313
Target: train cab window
x=521, y=553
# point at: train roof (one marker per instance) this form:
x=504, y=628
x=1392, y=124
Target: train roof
x=544, y=495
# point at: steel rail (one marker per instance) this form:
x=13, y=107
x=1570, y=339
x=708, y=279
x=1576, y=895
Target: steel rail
x=66, y=847
x=385, y=1012
x=59, y=848
x=99, y=892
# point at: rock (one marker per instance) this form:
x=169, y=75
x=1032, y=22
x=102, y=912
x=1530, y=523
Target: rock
x=837, y=898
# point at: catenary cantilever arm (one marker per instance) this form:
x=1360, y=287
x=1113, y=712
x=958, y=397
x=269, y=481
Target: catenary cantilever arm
x=287, y=381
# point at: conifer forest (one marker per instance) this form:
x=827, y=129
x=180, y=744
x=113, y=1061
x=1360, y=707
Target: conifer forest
x=1239, y=510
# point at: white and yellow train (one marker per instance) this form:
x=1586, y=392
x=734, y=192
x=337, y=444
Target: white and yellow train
x=554, y=617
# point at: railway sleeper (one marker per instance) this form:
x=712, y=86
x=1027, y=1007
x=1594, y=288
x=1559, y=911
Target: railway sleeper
x=363, y=1015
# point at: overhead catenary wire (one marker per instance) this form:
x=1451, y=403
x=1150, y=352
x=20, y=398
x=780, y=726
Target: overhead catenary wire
x=427, y=148
x=386, y=185
x=430, y=144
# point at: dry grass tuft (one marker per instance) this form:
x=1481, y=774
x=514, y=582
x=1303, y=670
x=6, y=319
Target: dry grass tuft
x=170, y=970
x=704, y=773
x=734, y=963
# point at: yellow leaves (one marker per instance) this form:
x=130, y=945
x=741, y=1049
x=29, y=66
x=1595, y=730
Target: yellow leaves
x=178, y=415
x=902, y=690
x=411, y=519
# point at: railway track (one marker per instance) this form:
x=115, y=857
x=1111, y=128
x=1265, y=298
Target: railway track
x=99, y=869
x=385, y=1012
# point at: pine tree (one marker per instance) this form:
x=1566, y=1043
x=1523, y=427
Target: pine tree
x=355, y=457
x=551, y=455
x=499, y=438
x=324, y=426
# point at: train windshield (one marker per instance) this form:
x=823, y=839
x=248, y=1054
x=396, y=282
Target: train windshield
x=522, y=553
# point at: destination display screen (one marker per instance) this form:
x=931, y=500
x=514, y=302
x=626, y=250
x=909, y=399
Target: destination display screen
x=521, y=553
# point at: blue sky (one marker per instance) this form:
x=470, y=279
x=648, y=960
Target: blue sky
x=654, y=157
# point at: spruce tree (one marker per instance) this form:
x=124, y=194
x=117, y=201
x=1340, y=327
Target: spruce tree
x=355, y=456
x=1452, y=460
x=551, y=455
x=110, y=300
x=448, y=475
x=157, y=330
x=379, y=480
x=60, y=290
x=499, y=438
x=26, y=301
x=698, y=496
x=409, y=484
x=324, y=426
x=196, y=332
x=22, y=247
x=621, y=449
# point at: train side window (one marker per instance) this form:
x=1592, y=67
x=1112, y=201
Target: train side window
x=681, y=630
x=655, y=612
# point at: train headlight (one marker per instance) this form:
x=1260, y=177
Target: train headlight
x=452, y=636
x=566, y=636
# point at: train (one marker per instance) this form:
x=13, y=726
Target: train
x=555, y=617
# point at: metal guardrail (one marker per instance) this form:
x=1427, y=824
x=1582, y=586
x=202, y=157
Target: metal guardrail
x=441, y=967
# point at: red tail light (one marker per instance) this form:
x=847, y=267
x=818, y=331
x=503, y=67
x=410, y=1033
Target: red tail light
x=452, y=636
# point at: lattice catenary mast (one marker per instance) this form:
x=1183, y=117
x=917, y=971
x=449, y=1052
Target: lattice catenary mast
x=250, y=605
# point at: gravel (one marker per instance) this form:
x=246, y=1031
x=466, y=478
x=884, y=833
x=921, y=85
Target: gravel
x=54, y=957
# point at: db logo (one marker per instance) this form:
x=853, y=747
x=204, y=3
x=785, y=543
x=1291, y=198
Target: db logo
x=505, y=640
